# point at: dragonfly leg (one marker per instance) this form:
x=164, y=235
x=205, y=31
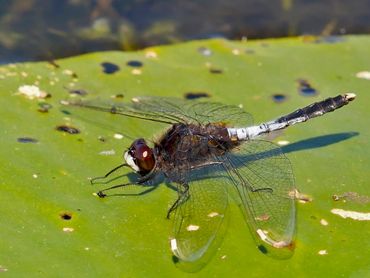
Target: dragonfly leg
x=92, y=181
x=101, y=193
x=183, y=196
x=206, y=164
x=141, y=180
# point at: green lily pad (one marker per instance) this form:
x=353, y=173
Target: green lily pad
x=53, y=225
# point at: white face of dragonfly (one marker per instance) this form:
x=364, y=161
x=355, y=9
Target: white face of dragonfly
x=130, y=161
x=140, y=157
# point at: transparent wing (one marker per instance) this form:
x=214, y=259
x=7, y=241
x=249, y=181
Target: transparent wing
x=197, y=221
x=173, y=110
x=265, y=183
x=194, y=111
x=132, y=110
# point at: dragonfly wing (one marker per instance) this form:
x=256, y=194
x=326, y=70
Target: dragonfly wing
x=197, y=223
x=195, y=111
x=132, y=110
x=172, y=110
x=264, y=180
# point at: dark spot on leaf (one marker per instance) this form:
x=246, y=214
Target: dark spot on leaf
x=44, y=107
x=74, y=75
x=278, y=98
x=263, y=249
x=306, y=89
x=215, y=71
x=27, y=140
x=195, y=95
x=109, y=67
x=119, y=96
x=66, y=215
x=135, y=64
x=205, y=51
x=54, y=64
x=175, y=259
x=66, y=112
x=336, y=197
x=291, y=246
x=67, y=129
x=78, y=92
x=102, y=139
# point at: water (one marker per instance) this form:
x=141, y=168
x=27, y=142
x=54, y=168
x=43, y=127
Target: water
x=39, y=30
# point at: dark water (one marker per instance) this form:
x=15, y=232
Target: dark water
x=38, y=29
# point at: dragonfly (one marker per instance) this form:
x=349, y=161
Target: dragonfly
x=208, y=150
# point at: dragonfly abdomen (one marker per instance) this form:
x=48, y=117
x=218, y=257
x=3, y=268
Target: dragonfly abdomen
x=300, y=115
x=318, y=108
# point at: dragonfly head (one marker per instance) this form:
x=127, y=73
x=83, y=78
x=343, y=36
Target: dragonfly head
x=140, y=157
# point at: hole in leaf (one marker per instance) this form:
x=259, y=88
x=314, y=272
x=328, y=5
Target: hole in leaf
x=175, y=259
x=195, y=95
x=109, y=68
x=263, y=249
x=66, y=215
x=67, y=129
x=306, y=89
x=278, y=98
x=216, y=71
x=119, y=96
x=27, y=140
x=135, y=64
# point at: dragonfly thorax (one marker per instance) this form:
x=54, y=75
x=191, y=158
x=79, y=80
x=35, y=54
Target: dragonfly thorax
x=140, y=157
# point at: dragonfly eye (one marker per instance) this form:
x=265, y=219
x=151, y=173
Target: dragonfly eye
x=140, y=157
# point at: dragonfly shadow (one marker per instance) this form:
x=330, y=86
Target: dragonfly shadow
x=318, y=142
x=241, y=160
